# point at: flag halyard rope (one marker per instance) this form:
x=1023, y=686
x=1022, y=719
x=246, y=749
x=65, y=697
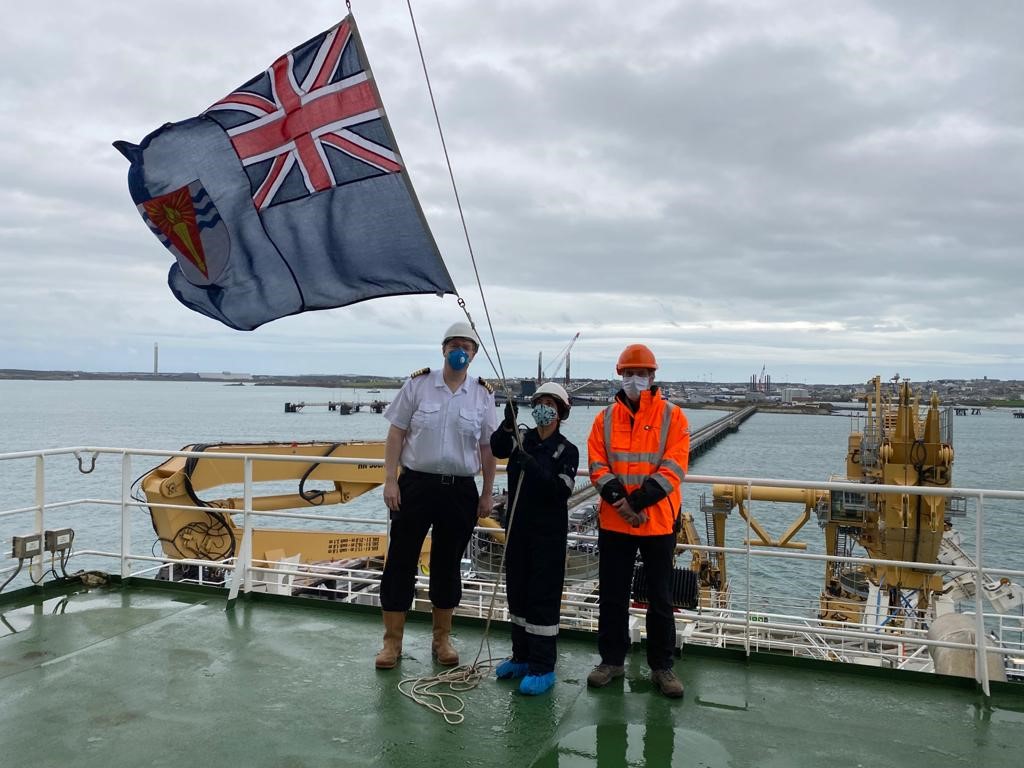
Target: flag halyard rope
x=466, y=677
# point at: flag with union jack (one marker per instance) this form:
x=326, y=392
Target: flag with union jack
x=288, y=194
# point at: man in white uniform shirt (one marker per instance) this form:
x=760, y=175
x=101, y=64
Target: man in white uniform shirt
x=441, y=423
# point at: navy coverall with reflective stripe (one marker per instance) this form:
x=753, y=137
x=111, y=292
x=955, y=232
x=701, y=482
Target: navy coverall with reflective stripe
x=535, y=554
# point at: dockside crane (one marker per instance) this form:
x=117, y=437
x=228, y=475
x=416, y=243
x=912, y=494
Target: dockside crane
x=563, y=355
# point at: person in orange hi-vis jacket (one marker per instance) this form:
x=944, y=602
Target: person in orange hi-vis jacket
x=639, y=450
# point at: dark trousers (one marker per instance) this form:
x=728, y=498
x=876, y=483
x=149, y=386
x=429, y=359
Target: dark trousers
x=451, y=509
x=538, y=651
x=618, y=554
x=535, y=573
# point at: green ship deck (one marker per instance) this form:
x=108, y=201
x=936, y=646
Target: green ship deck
x=156, y=675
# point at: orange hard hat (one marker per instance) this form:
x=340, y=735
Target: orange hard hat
x=636, y=356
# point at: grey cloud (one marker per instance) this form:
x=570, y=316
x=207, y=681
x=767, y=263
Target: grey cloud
x=818, y=186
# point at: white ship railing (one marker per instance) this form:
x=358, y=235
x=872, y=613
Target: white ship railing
x=748, y=626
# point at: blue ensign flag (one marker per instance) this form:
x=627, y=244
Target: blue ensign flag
x=288, y=194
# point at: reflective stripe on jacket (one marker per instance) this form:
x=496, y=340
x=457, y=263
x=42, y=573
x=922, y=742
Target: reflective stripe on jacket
x=653, y=442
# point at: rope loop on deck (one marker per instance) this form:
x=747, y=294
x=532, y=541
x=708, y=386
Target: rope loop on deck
x=448, y=704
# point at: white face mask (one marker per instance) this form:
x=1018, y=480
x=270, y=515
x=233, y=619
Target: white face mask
x=634, y=385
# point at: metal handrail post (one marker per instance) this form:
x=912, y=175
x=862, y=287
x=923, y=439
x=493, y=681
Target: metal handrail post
x=746, y=628
x=981, y=654
x=243, y=555
x=35, y=568
x=126, y=524
x=247, y=524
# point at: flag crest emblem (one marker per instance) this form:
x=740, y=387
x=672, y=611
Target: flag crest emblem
x=187, y=223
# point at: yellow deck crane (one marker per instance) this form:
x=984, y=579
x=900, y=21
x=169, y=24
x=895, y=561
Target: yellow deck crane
x=896, y=446
x=213, y=533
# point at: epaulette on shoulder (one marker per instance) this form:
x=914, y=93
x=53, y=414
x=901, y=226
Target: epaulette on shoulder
x=420, y=372
x=485, y=385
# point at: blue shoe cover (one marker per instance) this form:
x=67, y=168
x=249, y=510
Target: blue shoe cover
x=533, y=685
x=509, y=669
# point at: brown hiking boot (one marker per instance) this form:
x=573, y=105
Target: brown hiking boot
x=394, y=627
x=666, y=681
x=603, y=674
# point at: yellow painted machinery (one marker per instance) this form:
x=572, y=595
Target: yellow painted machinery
x=714, y=572
x=897, y=445
x=213, y=532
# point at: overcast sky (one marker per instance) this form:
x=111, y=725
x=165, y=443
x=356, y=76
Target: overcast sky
x=831, y=190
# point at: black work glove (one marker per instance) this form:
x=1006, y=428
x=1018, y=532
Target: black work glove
x=613, y=490
x=638, y=500
x=524, y=461
x=646, y=495
x=511, y=412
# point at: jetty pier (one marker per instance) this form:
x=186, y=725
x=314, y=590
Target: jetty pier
x=344, y=408
x=700, y=440
x=707, y=436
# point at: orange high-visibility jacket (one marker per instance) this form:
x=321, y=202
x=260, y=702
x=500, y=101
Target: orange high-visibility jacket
x=654, y=442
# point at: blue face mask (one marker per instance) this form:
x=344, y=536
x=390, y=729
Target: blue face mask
x=457, y=359
x=543, y=415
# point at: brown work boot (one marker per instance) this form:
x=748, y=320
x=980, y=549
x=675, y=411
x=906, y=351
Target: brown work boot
x=667, y=682
x=603, y=674
x=394, y=627
x=441, y=647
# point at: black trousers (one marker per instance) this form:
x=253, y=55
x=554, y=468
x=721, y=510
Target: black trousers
x=450, y=508
x=618, y=554
x=535, y=573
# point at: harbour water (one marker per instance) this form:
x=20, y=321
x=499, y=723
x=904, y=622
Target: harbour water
x=168, y=415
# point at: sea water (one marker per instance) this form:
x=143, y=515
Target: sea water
x=36, y=415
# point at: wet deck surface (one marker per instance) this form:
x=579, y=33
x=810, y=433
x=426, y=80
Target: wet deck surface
x=132, y=676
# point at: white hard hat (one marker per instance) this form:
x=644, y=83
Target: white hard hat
x=461, y=330
x=556, y=391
